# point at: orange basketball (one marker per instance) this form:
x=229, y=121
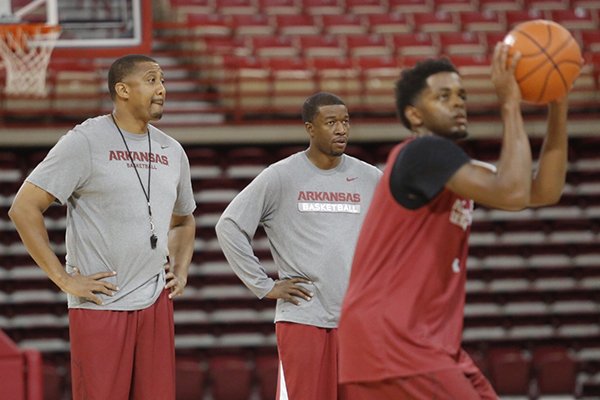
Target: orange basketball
x=550, y=60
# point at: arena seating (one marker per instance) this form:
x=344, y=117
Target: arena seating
x=208, y=46
x=532, y=284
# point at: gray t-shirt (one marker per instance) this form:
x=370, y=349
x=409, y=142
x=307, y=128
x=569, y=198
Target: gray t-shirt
x=108, y=227
x=312, y=218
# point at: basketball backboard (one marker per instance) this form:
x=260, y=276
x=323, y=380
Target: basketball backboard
x=90, y=28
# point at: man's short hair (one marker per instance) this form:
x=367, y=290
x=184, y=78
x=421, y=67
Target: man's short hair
x=414, y=80
x=121, y=68
x=311, y=105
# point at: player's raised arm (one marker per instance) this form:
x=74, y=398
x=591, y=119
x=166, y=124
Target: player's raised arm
x=549, y=179
x=509, y=186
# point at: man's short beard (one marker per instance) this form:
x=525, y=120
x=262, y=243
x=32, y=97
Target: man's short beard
x=459, y=135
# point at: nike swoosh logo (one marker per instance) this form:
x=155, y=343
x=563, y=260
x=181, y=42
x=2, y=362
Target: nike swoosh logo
x=351, y=179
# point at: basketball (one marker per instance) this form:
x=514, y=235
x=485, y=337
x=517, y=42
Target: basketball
x=550, y=60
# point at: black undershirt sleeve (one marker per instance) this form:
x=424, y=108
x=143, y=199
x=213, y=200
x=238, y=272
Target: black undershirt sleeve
x=422, y=169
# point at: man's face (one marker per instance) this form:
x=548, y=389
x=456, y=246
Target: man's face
x=329, y=130
x=146, y=91
x=441, y=106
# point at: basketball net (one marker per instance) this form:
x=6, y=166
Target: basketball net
x=25, y=50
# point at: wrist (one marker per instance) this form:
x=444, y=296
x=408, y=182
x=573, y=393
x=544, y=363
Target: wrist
x=61, y=280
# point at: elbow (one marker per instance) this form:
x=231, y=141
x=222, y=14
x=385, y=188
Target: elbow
x=14, y=212
x=548, y=199
x=220, y=228
x=516, y=200
x=551, y=199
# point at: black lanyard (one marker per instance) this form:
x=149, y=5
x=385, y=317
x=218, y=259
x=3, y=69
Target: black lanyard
x=153, y=237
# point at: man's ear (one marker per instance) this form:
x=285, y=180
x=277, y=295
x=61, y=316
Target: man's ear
x=122, y=90
x=414, y=116
x=308, y=126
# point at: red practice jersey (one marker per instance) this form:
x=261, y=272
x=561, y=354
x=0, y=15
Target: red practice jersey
x=403, y=311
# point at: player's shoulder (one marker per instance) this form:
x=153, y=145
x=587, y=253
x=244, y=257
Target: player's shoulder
x=84, y=132
x=288, y=162
x=162, y=138
x=90, y=126
x=362, y=165
x=426, y=142
x=285, y=169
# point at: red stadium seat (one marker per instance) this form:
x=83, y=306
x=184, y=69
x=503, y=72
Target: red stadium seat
x=321, y=46
x=546, y=4
x=516, y=17
x=487, y=21
x=228, y=7
x=455, y=5
x=343, y=24
x=587, y=4
x=273, y=47
x=251, y=24
x=55, y=384
x=267, y=367
x=338, y=75
x=555, y=370
x=322, y=7
x=389, y=23
x=208, y=24
x=230, y=377
x=499, y=5
x=189, y=377
x=436, y=22
x=510, y=370
x=365, y=7
x=278, y=7
x=248, y=84
x=410, y=6
x=292, y=83
x=492, y=38
x=367, y=45
x=461, y=43
x=591, y=41
x=414, y=44
x=379, y=77
x=575, y=20
x=193, y=6
x=297, y=24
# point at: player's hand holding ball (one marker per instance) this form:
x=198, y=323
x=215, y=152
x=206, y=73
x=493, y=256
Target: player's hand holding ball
x=550, y=60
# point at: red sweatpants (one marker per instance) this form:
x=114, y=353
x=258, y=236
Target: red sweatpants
x=123, y=355
x=308, y=362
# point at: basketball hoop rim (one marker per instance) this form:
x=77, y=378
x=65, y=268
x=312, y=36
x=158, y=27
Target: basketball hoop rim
x=29, y=29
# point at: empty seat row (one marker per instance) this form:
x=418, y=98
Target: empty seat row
x=337, y=7
x=214, y=24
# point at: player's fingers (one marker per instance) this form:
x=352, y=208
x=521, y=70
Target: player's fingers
x=94, y=299
x=503, y=56
x=103, y=289
x=303, y=292
x=299, y=293
x=170, y=283
x=515, y=60
x=102, y=275
x=298, y=280
x=292, y=299
x=496, y=55
x=177, y=291
x=107, y=285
